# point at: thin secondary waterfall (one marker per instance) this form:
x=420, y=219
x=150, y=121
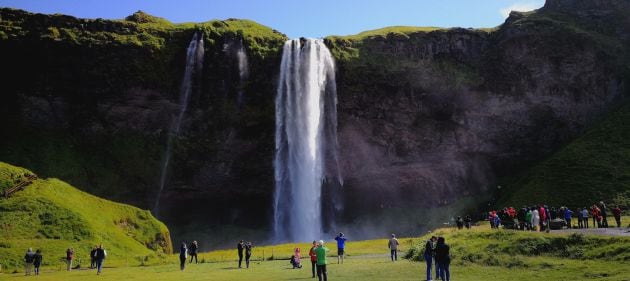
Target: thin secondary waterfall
x=306, y=138
x=194, y=64
x=243, y=72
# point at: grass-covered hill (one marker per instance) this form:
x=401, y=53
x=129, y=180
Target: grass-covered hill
x=52, y=216
x=594, y=167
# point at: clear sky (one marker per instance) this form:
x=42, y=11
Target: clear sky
x=297, y=18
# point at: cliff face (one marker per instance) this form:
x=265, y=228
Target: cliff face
x=442, y=114
x=425, y=116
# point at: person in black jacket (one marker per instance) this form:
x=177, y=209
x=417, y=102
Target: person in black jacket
x=37, y=260
x=92, y=257
x=248, y=253
x=193, y=251
x=183, y=252
x=99, y=257
x=429, y=252
x=240, y=247
x=443, y=258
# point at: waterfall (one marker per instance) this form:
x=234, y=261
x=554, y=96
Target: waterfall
x=194, y=64
x=306, y=138
x=243, y=72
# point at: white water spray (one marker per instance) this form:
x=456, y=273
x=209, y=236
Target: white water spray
x=194, y=64
x=306, y=125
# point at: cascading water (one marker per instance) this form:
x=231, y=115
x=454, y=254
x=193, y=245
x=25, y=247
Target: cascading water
x=194, y=64
x=306, y=138
x=243, y=72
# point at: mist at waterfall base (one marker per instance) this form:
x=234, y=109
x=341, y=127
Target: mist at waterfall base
x=194, y=64
x=306, y=140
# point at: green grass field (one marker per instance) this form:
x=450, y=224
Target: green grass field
x=478, y=254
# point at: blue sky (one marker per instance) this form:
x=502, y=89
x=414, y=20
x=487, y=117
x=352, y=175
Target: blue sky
x=296, y=18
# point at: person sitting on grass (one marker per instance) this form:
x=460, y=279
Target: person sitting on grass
x=296, y=259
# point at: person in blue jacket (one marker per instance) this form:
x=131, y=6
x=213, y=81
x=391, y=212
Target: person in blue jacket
x=341, y=246
x=567, y=217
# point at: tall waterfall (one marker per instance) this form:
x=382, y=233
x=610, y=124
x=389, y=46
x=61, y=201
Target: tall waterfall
x=306, y=138
x=194, y=64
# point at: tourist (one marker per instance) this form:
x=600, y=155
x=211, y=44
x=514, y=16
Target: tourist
x=183, y=255
x=321, y=261
x=585, y=217
x=393, y=247
x=567, y=217
x=522, y=218
x=535, y=219
x=248, y=253
x=604, y=214
x=37, y=260
x=313, y=256
x=92, y=259
x=528, y=219
x=580, y=218
x=239, y=248
x=597, y=217
x=69, y=258
x=542, y=213
x=460, y=222
x=193, y=251
x=341, y=245
x=429, y=252
x=468, y=222
x=28, y=261
x=617, y=214
x=99, y=257
x=443, y=259
x=296, y=259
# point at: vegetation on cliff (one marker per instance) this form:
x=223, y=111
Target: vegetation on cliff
x=52, y=216
x=594, y=167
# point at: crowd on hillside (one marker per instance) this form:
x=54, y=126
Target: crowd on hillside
x=543, y=217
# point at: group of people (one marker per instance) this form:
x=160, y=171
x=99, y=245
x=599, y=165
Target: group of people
x=185, y=251
x=33, y=260
x=542, y=217
x=437, y=252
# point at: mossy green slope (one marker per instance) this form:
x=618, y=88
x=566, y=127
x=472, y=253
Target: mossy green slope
x=52, y=216
x=594, y=167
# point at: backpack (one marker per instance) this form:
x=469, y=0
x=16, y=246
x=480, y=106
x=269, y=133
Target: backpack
x=28, y=258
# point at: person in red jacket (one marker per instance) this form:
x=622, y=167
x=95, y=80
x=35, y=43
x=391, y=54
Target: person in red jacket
x=617, y=214
x=313, y=256
x=543, y=216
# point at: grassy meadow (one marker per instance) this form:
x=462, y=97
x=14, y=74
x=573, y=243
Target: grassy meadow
x=478, y=254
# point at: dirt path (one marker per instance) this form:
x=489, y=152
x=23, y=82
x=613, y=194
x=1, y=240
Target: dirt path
x=624, y=231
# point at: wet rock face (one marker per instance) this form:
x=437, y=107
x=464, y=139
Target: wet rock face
x=441, y=115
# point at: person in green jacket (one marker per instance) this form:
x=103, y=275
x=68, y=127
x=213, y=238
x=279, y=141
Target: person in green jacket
x=321, y=260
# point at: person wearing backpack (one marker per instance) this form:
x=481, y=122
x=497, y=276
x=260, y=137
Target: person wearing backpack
x=28, y=261
x=37, y=260
x=429, y=252
x=99, y=257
